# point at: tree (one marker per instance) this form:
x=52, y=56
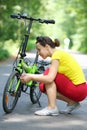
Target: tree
x=70, y=20
x=75, y=23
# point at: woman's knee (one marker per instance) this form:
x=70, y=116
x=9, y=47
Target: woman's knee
x=44, y=87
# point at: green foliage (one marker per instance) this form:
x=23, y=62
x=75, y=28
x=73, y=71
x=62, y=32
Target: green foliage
x=3, y=54
x=31, y=45
x=70, y=17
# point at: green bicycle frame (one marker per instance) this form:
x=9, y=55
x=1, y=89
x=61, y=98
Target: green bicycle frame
x=27, y=68
x=16, y=88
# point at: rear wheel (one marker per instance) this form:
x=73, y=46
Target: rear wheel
x=10, y=94
x=35, y=92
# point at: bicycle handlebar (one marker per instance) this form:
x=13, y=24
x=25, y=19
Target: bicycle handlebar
x=19, y=16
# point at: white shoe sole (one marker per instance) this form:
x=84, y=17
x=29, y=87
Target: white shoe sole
x=49, y=114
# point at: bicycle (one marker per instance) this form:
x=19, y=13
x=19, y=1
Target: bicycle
x=14, y=86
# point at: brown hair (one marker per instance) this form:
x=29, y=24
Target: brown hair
x=46, y=40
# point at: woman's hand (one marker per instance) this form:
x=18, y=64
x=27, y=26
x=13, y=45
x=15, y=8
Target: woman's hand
x=25, y=78
x=40, y=77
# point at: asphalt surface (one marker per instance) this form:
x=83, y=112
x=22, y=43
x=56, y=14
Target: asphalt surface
x=23, y=118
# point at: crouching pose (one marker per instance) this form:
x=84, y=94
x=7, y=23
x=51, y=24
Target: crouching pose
x=64, y=80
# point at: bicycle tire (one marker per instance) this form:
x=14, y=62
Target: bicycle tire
x=35, y=92
x=10, y=98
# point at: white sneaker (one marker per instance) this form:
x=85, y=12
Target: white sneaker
x=47, y=112
x=69, y=109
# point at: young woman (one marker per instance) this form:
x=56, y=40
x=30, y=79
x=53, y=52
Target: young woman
x=64, y=79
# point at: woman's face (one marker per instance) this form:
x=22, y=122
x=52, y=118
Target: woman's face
x=42, y=51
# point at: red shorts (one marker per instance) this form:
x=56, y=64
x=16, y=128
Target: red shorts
x=67, y=88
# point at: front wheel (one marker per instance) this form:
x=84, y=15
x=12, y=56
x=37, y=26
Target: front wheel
x=11, y=92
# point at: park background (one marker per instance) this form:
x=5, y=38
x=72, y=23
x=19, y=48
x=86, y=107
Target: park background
x=70, y=24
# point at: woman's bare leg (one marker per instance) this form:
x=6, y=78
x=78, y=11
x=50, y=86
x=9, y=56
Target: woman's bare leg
x=51, y=94
x=63, y=98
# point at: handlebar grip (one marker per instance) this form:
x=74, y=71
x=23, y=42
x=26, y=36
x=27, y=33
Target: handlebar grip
x=19, y=16
x=47, y=21
x=15, y=16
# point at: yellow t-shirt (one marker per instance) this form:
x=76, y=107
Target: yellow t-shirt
x=69, y=67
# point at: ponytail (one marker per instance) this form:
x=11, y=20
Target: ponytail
x=56, y=42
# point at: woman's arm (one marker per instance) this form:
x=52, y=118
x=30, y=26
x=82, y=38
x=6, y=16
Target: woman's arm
x=43, y=78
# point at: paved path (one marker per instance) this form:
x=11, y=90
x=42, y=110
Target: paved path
x=23, y=118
